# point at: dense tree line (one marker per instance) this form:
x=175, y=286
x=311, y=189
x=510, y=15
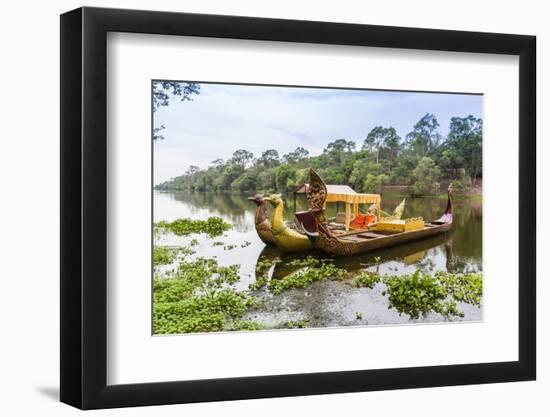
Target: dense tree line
x=420, y=161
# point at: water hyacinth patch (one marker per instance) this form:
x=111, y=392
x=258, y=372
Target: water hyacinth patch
x=261, y=281
x=366, y=279
x=199, y=297
x=419, y=293
x=463, y=287
x=301, y=324
x=265, y=263
x=213, y=226
x=163, y=255
x=249, y=325
x=314, y=270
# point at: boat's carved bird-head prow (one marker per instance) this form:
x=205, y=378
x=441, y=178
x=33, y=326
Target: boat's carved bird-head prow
x=258, y=199
x=263, y=225
x=274, y=199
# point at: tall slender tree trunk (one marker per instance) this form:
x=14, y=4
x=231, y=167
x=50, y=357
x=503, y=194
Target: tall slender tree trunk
x=474, y=178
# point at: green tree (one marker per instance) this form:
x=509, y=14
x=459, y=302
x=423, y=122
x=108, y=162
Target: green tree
x=391, y=147
x=334, y=175
x=268, y=159
x=339, y=149
x=361, y=169
x=266, y=180
x=373, y=183
x=242, y=157
x=385, y=140
x=302, y=176
x=295, y=156
x=229, y=174
x=465, y=144
x=217, y=163
x=192, y=170
x=426, y=178
x=424, y=138
x=285, y=176
x=247, y=181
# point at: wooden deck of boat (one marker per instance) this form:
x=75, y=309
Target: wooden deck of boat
x=364, y=234
x=359, y=241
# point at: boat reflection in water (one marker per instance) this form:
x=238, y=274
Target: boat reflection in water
x=278, y=265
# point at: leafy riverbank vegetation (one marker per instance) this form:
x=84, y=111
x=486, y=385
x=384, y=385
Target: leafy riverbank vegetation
x=419, y=162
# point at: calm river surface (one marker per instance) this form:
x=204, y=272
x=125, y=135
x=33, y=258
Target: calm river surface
x=330, y=303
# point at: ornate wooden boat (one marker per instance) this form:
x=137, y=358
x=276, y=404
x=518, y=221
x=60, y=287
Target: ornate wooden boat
x=354, y=242
x=261, y=222
x=289, y=239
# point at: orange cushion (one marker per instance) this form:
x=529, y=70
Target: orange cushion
x=358, y=222
x=362, y=221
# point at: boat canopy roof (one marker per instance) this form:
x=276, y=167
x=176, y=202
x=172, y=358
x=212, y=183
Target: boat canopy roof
x=355, y=198
x=332, y=189
x=343, y=193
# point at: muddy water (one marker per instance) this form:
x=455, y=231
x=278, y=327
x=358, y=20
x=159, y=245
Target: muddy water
x=329, y=303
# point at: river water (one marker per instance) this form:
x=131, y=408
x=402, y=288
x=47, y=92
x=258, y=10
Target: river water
x=330, y=303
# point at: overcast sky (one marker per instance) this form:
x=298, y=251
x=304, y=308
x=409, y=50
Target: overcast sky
x=224, y=118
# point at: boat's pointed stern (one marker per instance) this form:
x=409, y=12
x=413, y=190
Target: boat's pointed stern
x=448, y=213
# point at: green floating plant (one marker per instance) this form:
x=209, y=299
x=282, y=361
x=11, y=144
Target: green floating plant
x=301, y=324
x=213, y=226
x=312, y=270
x=163, y=255
x=418, y=294
x=199, y=297
x=366, y=279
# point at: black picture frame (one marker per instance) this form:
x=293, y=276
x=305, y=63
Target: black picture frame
x=84, y=207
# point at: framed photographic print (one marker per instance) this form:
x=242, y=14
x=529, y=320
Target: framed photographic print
x=256, y=208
